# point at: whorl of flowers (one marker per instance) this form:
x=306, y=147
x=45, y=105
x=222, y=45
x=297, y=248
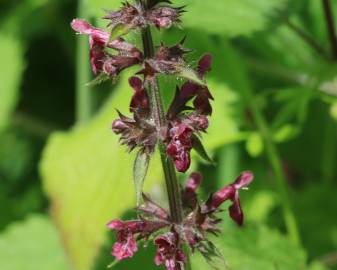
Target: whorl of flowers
x=180, y=132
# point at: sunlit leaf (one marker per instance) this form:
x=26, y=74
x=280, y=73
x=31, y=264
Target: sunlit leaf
x=88, y=179
x=230, y=17
x=140, y=168
x=253, y=247
x=200, y=149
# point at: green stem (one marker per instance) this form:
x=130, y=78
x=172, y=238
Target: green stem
x=276, y=164
x=329, y=152
x=83, y=92
x=330, y=23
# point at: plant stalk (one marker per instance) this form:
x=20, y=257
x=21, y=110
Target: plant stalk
x=158, y=114
x=329, y=18
x=276, y=164
x=83, y=92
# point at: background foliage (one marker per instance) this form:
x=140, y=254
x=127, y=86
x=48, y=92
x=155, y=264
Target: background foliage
x=63, y=177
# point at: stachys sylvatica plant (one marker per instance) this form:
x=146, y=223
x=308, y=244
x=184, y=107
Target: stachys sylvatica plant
x=183, y=229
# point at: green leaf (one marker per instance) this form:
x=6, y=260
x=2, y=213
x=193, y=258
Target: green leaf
x=254, y=144
x=87, y=176
x=224, y=124
x=191, y=75
x=200, y=149
x=253, y=247
x=11, y=68
x=32, y=245
x=285, y=133
x=140, y=168
x=230, y=17
x=118, y=31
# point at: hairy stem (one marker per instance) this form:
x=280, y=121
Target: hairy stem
x=172, y=185
x=171, y=180
x=276, y=164
x=83, y=92
x=331, y=27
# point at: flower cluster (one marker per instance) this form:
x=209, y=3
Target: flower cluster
x=134, y=16
x=184, y=122
x=178, y=130
x=199, y=219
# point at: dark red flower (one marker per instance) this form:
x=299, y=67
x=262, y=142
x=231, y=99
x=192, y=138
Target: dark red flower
x=180, y=146
x=140, y=100
x=230, y=192
x=101, y=61
x=201, y=92
x=168, y=252
x=180, y=138
x=189, y=195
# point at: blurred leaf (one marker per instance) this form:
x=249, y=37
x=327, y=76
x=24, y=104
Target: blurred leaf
x=316, y=205
x=224, y=126
x=140, y=168
x=254, y=144
x=16, y=155
x=260, y=206
x=253, y=247
x=87, y=176
x=32, y=245
x=11, y=68
x=230, y=17
x=285, y=133
x=333, y=111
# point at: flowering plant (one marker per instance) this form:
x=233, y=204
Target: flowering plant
x=175, y=132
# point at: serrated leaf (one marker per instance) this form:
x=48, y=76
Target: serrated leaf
x=255, y=247
x=200, y=149
x=212, y=255
x=230, y=17
x=254, y=144
x=140, y=168
x=191, y=75
x=32, y=245
x=98, y=80
x=87, y=176
x=11, y=68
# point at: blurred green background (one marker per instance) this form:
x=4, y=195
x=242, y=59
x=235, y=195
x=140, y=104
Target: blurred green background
x=63, y=175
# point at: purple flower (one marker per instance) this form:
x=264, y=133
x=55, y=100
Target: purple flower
x=101, y=61
x=230, y=192
x=126, y=245
x=168, y=252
